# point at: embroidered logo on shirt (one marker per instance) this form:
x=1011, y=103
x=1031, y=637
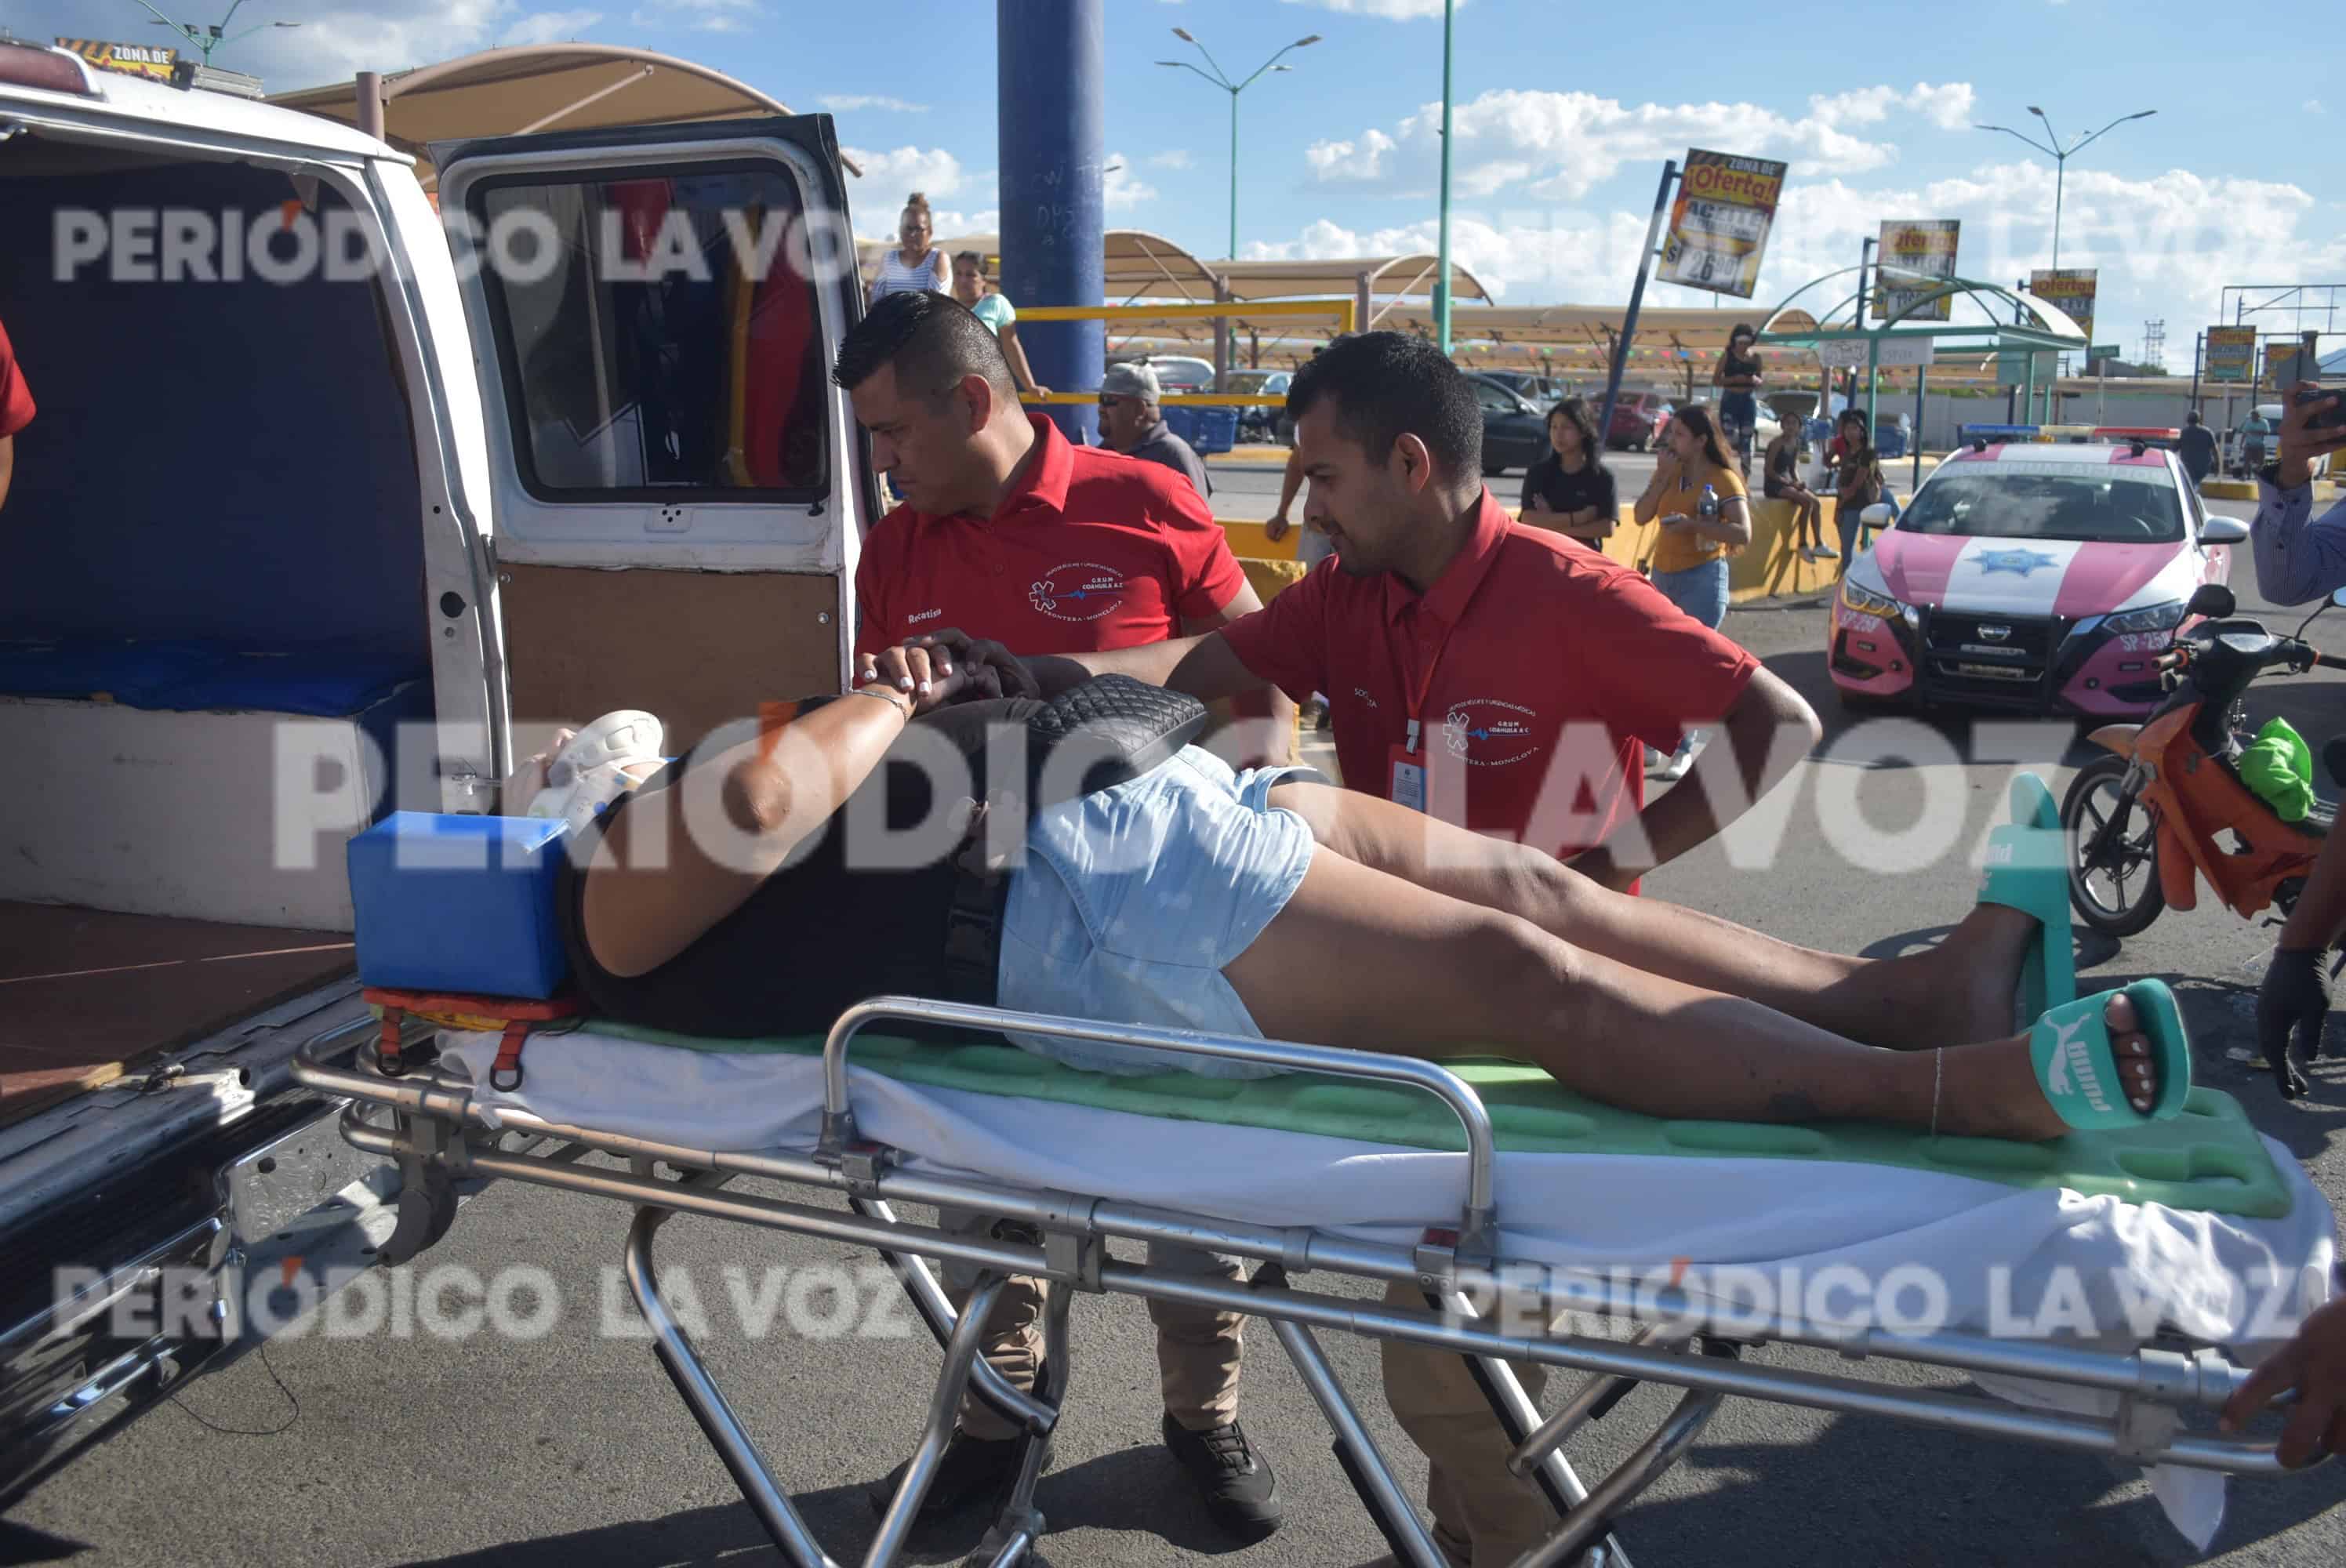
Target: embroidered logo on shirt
x=1077, y=591
x=1489, y=733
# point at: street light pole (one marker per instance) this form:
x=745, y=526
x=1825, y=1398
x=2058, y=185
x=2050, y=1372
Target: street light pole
x=206, y=39
x=2061, y=156
x=1227, y=334
x=1220, y=79
x=1441, y=245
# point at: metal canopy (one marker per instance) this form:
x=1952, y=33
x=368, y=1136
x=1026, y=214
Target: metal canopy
x=534, y=88
x=1140, y=264
x=1369, y=277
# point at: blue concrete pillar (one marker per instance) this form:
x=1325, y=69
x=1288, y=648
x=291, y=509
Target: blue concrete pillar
x=1051, y=75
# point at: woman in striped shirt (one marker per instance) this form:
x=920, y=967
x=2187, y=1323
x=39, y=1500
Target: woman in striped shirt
x=914, y=265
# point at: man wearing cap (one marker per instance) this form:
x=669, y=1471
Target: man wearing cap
x=1497, y=675
x=1061, y=549
x=1132, y=422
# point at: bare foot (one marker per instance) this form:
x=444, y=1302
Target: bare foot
x=1992, y=1090
x=1962, y=988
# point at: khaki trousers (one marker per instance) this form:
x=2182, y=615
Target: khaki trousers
x=1197, y=1346
x=1483, y=1517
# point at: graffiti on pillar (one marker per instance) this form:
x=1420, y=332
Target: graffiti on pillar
x=1056, y=219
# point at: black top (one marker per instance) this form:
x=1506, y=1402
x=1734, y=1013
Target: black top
x=2197, y=446
x=1592, y=486
x=816, y=937
x=1784, y=461
x=1734, y=364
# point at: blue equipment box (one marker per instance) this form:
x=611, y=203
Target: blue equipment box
x=460, y=903
x=1207, y=430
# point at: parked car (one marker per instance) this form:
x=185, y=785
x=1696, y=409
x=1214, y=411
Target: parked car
x=1638, y=421
x=1541, y=390
x=1265, y=420
x=1515, y=429
x=2035, y=578
x=1176, y=372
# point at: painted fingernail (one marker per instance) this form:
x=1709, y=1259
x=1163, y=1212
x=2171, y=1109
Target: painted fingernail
x=904, y=682
x=2141, y=1103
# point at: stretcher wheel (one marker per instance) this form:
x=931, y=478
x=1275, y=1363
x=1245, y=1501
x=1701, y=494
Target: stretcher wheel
x=427, y=1208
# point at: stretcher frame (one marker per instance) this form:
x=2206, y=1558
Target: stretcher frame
x=438, y=1132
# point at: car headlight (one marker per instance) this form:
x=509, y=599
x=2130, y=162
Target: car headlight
x=2156, y=619
x=1869, y=603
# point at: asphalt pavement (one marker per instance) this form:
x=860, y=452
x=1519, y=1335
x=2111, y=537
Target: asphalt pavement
x=570, y=1449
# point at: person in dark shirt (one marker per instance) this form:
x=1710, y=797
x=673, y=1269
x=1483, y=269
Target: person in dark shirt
x=1570, y=490
x=1737, y=375
x=1132, y=422
x=2197, y=447
x=1780, y=479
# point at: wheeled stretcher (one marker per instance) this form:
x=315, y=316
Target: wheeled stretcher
x=2150, y=1250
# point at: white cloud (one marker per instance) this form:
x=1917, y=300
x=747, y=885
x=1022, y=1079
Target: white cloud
x=698, y=15
x=2313, y=106
x=1119, y=189
x=847, y=102
x=932, y=171
x=1560, y=145
x=1177, y=158
x=2164, y=245
x=549, y=27
x=1398, y=10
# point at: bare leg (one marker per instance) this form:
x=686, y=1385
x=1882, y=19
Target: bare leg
x=1365, y=960
x=1958, y=993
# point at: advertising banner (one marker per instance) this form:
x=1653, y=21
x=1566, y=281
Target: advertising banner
x=1720, y=222
x=1917, y=256
x=2070, y=290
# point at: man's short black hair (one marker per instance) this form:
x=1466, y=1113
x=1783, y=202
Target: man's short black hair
x=1386, y=385
x=932, y=339
x=2191, y=418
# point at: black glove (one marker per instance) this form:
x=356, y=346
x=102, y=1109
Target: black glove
x=2295, y=997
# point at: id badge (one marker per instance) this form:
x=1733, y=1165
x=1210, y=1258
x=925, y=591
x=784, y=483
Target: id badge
x=1408, y=780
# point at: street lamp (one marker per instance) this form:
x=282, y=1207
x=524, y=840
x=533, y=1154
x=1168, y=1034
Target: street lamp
x=206, y=39
x=2060, y=157
x=1234, y=89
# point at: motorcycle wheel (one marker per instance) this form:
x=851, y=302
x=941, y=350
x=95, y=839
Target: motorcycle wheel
x=2120, y=894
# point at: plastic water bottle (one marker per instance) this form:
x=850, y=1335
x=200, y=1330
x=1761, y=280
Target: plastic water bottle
x=1708, y=510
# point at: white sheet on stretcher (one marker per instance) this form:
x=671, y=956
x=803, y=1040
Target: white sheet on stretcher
x=2000, y=1251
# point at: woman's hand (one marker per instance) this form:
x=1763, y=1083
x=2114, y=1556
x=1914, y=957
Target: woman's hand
x=929, y=677
x=1276, y=528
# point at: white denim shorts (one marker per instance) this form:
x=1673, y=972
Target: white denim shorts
x=1132, y=899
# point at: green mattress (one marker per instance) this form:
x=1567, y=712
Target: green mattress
x=2209, y=1158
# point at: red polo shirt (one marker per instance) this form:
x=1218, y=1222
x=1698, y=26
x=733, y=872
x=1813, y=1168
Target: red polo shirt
x=16, y=397
x=1091, y=550
x=1544, y=667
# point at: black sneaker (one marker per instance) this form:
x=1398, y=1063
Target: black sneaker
x=974, y=1470
x=1241, y=1493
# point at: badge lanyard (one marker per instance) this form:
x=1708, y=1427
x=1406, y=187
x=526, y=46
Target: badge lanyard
x=1408, y=763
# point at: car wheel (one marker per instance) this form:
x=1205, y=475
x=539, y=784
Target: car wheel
x=2113, y=881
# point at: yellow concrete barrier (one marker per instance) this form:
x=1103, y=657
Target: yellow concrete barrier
x=1769, y=567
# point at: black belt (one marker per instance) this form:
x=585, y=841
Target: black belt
x=972, y=955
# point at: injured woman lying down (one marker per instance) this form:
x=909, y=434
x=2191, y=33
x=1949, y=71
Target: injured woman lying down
x=838, y=850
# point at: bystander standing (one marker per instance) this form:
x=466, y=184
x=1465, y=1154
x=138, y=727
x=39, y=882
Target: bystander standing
x=1570, y=489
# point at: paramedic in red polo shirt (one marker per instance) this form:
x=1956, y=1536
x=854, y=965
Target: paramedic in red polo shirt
x=16, y=412
x=1497, y=675
x=1057, y=549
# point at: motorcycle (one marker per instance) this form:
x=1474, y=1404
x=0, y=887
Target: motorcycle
x=2161, y=807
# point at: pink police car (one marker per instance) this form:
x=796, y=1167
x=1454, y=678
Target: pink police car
x=2041, y=579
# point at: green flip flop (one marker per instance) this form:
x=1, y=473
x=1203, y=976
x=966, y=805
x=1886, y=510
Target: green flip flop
x=2028, y=871
x=2079, y=1070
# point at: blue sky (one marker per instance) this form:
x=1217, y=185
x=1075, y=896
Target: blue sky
x=1564, y=111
